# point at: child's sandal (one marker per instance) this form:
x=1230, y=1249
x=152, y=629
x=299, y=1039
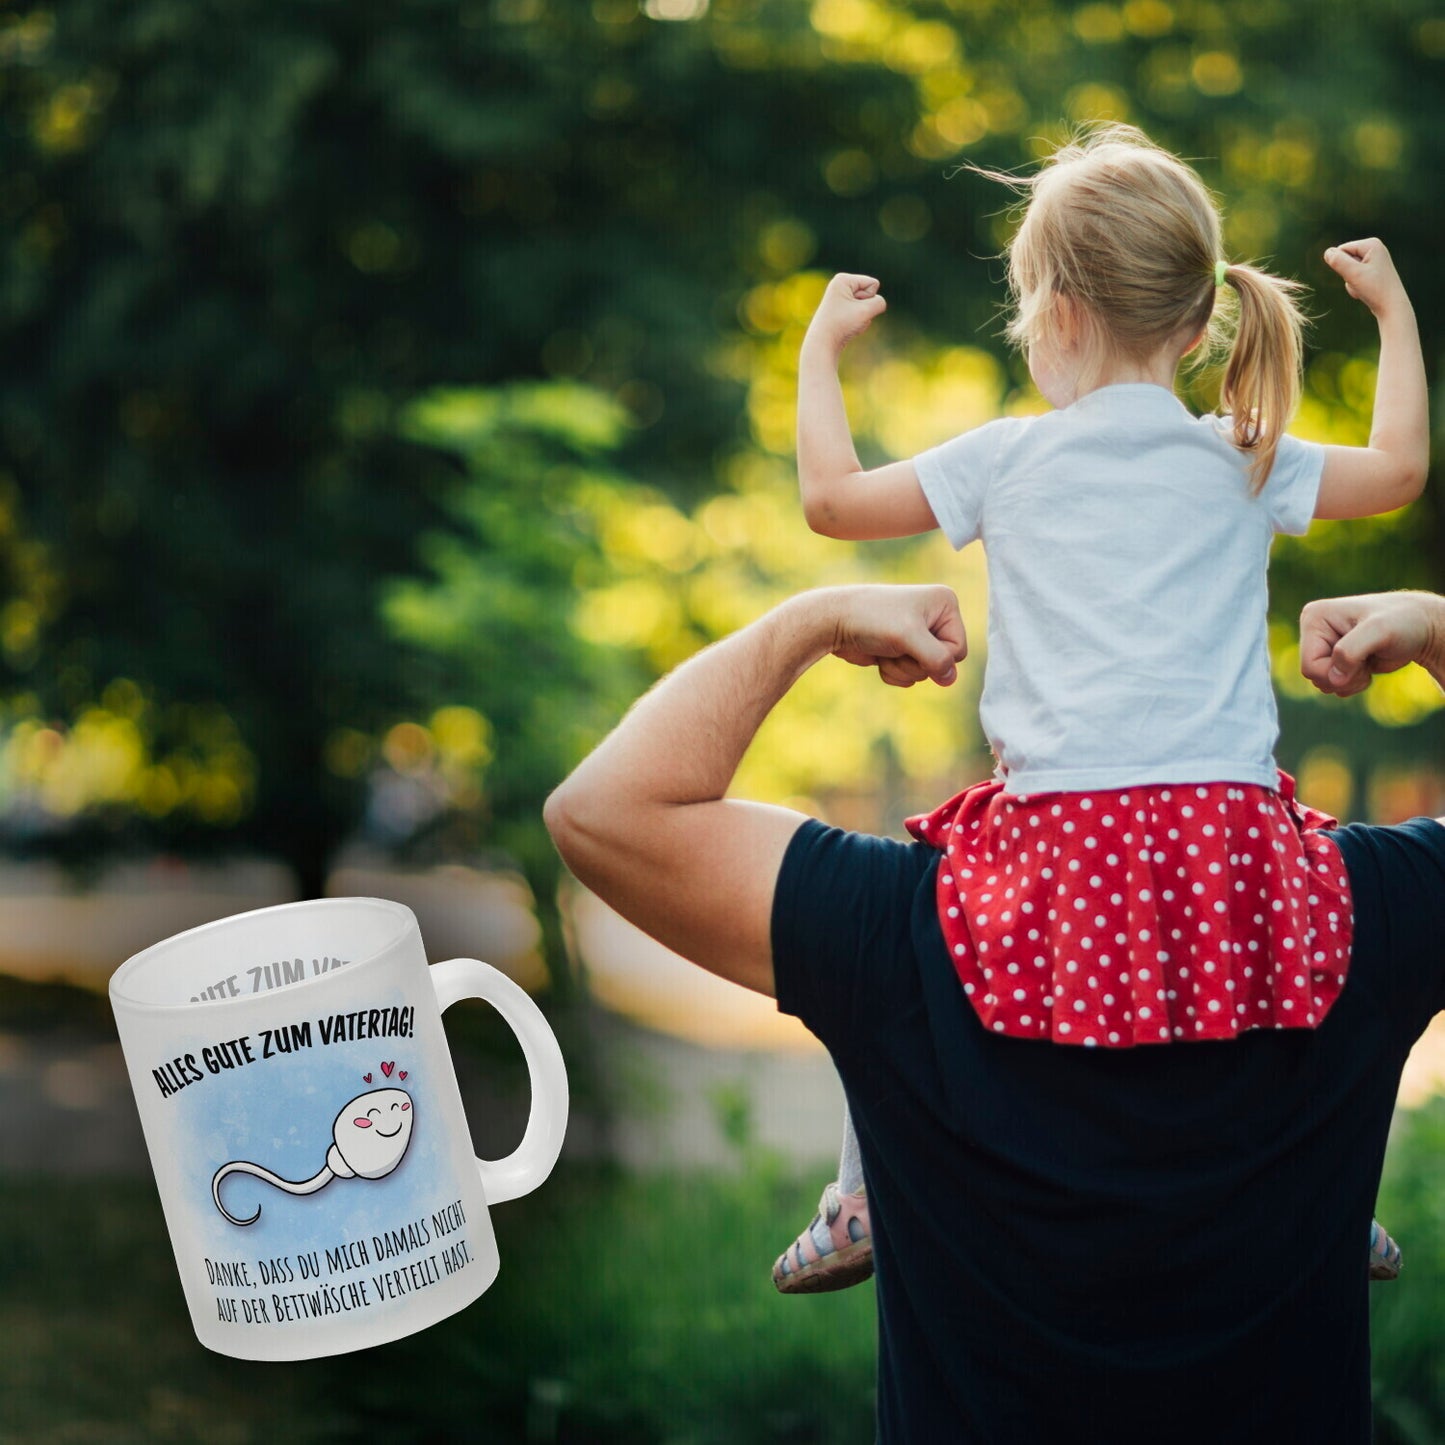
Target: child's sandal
x=807, y=1268
x=1385, y=1256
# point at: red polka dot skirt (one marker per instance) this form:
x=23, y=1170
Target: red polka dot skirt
x=1141, y=915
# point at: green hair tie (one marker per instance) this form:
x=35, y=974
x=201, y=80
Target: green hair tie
x=1220, y=267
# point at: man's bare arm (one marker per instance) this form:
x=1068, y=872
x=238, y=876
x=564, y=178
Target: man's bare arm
x=643, y=821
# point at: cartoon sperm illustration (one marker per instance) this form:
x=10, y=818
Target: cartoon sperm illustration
x=371, y=1134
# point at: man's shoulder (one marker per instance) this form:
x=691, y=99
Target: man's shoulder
x=1397, y=889
x=842, y=879
x=850, y=912
x=1380, y=850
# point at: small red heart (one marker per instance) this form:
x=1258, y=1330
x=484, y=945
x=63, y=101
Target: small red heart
x=362, y=1123
x=402, y=1075
x=387, y=1068
x=366, y=1078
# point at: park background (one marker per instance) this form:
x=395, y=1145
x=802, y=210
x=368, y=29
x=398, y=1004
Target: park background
x=390, y=390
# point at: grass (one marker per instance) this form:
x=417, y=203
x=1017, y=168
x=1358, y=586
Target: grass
x=1407, y=1325
x=627, y=1309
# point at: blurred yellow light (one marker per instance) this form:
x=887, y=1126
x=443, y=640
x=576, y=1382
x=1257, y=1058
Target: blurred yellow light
x=408, y=747
x=631, y=614
x=1284, y=662
x=1326, y=782
x=463, y=735
x=772, y=404
x=923, y=46
x=947, y=82
x=1288, y=160
x=61, y=124
x=1380, y=144
x=724, y=519
x=31, y=750
x=849, y=172
x=658, y=534
x=19, y=626
x=1216, y=72
x=157, y=792
x=928, y=740
x=1148, y=18
x=123, y=697
x=759, y=312
x=724, y=598
x=219, y=799
x=787, y=244
x=844, y=19
x=1398, y=699
x=1251, y=227
x=798, y=295
x=674, y=9
x=1096, y=102
x=1330, y=419
x=26, y=36
x=961, y=121
x=927, y=142
x=1006, y=110
x=1430, y=38
x=100, y=762
x=1098, y=24
x=911, y=407
x=1398, y=792
x=1356, y=383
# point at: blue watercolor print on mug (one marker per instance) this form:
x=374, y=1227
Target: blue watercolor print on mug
x=327, y=1146
x=369, y=1139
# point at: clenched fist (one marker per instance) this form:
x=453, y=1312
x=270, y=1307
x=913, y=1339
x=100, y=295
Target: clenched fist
x=846, y=311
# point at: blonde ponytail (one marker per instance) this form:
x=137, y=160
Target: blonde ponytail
x=1261, y=386
x=1132, y=236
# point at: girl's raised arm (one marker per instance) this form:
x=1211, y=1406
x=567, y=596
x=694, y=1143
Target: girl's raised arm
x=1390, y=472
x=840, y=499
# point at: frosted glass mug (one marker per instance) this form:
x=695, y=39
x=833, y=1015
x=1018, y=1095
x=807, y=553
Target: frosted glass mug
x=304, y=1124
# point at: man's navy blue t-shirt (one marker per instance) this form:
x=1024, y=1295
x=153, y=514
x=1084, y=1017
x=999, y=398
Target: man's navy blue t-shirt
x=1158, y=1244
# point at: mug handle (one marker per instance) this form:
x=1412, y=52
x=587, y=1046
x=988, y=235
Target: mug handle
x=524, y=1169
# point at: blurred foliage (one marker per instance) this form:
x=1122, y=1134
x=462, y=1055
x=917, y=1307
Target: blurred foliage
x=490, y=617
x=117, y=1302
x=564, y=587
x=594, y=1332
x=597, y=1330
x=1405, y=1324
x=392, y=387
x=49, y=1008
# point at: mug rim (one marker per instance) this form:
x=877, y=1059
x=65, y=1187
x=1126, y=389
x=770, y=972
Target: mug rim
x=152, y=953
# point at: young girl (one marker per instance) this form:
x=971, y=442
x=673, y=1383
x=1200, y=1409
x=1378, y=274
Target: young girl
x=1138, y=871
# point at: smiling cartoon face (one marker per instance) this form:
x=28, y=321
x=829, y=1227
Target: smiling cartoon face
x=373, y=1130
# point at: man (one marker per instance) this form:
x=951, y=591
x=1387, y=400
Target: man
x=1153, y=1244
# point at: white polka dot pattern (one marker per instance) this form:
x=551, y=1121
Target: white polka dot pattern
x=1152, y=914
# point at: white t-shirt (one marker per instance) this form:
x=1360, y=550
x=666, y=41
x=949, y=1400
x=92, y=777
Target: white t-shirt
x=1127, y=596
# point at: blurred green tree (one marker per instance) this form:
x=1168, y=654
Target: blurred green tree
x=241, y=238
x=495, y=608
